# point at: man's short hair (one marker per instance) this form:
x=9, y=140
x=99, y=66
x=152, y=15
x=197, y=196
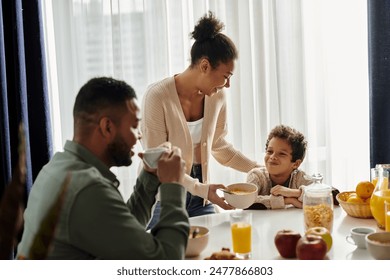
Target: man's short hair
x=100, y=95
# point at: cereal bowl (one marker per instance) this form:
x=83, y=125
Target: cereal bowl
x=197, y=241
x=378, y=245
x=242, y=195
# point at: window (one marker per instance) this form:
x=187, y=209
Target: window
x=296, y=66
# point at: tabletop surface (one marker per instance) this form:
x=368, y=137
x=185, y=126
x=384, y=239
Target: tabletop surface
x=265, y=225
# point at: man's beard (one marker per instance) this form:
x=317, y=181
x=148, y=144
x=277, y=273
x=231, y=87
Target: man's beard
x=120, y=152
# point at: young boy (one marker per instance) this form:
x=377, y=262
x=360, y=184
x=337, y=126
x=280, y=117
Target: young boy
x=280, y=182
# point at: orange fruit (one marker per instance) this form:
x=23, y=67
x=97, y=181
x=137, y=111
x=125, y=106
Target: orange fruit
x=355, y=199
x=352, y=195
x=364, y=189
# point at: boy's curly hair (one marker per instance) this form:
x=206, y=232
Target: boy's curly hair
x=295, y=138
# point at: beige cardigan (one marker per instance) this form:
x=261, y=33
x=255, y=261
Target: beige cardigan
x=163, y=120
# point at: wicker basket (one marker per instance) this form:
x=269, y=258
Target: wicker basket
x=357, y=210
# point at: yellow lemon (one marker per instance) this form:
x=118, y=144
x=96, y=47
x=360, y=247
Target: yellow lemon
x=352, y=195
x=354, y=199
x=364, y=189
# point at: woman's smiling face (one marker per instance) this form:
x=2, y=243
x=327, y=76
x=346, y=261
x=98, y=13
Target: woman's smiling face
x=214, y=80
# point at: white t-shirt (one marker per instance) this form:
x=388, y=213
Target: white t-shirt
x=195, y=130
x=196, y=134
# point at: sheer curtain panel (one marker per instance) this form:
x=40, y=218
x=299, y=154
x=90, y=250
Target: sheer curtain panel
x=301, y=63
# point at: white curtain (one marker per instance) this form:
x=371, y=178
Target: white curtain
x=302, y=63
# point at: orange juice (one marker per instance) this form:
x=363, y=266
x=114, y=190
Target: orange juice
x=242, y=237
x=387, y=216
x=377, y=205
x=374, y=181
x=387, y=220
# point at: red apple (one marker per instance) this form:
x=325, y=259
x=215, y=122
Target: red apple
x=311, y=247
x=286, y=241
x=324, y=233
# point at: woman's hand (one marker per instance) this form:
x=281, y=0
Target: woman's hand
x=216, y=199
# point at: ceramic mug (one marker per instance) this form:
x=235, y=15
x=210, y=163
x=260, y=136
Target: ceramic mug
x=357, y=236
x=152, y=155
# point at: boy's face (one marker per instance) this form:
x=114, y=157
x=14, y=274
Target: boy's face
x=278, y=157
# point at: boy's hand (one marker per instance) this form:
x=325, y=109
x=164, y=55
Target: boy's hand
x=286, y=192
x=294, y=201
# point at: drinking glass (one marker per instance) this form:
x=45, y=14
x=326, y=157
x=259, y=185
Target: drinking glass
x=387, y=216
x=241, y=228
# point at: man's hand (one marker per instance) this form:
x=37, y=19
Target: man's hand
x=171, y=167
x=216, y=199
x=166, y=145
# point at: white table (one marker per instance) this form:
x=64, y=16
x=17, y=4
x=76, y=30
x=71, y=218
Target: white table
x=267, y=222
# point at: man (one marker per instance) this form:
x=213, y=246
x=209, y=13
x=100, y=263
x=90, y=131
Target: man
x=94, y=222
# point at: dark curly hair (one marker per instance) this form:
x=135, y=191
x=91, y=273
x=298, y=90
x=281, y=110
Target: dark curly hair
x=295, y=138
x=211, y=43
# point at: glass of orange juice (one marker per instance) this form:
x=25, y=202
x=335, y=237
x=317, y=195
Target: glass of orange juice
x=241, y=228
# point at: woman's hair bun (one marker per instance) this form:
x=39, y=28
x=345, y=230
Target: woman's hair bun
x=207, y=28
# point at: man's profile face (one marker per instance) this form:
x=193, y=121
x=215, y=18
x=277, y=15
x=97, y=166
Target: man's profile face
x=121, y=148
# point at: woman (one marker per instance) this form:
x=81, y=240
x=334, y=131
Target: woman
x=189, y=110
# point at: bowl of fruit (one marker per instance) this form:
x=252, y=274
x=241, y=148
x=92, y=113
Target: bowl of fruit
x=357, y=203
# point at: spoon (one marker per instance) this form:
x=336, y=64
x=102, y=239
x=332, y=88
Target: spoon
x=195, y=232
x=226, y=191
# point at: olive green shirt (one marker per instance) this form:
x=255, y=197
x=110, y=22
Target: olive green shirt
x=95, y=222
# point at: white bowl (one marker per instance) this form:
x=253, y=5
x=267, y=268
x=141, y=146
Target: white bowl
x=196, y=245
x=244, y=195
x=378, y=245
x=152, y=155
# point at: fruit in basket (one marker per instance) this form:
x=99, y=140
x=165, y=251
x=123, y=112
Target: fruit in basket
x=364, y=189
x=311, y=247
x=324, y=233
x=357, y=210
x=286, y=242
x=355, y=199
x=351, y=194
